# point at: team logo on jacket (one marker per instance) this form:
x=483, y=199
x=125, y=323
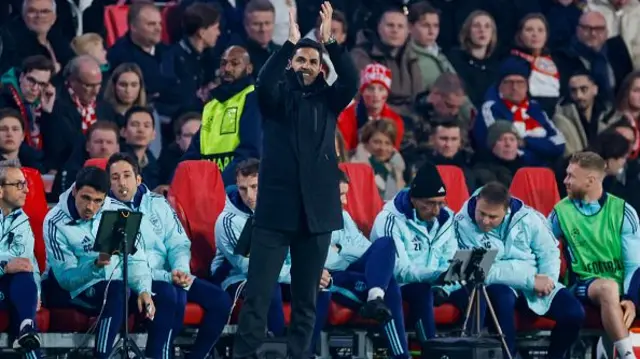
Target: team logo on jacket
x=16, y=248
x=157, y=225
x=87, y=246
x=360, y=286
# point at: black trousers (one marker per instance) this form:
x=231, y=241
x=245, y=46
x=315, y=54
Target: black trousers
x=267, y=254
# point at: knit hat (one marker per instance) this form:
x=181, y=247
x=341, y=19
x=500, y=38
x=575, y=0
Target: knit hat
x=375, y=73
x=514, y=66
x=427, y=183
x=498, y=129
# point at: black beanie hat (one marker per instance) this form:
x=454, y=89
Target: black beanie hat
x=427, y=183
x=514, y=66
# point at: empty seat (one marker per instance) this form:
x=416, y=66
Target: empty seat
x=363, y=200
x=197, y=195
x=115, y=22
x=456, y=185
x=536, y=187
x=97, y=162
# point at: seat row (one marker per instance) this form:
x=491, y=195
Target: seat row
x=198, y=196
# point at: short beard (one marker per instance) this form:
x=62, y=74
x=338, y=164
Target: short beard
x=577, y=195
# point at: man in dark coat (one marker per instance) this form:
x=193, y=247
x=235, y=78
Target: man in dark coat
x=298, y=205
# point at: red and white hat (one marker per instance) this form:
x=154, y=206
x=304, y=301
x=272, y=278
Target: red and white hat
x=375, y=73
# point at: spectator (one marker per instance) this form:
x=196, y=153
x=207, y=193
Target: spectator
x=185, y=127
x=28, y=91
x=188, y=63
x=339, y=30
x=531, y=45
x=445, y=148
x=475, y=60
x=141, y=45
x=503, y=159
x=138, y=132
x=563, y=17
x=259, y=19
x=375, y=84
x=389, y=47
x=424, y=28
x=77, y=106
x=125, y=89
x=541, y=142
x=102, y=141
x=445, y=100
x=509, y=16
x=32, y=34
x=376, y=149
x=627, y=106
x=621, y=17
x=607, y=61
x=12, y=145
x=231, y=129
x=452, y=15
x=93, y=45
x=582, y=115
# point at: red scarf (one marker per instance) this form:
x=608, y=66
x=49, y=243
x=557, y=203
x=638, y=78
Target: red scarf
x=30, y=117
x=523, y=123
x=87, y=112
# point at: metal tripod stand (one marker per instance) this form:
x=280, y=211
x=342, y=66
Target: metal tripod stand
x=479, y=289
x=125, y=344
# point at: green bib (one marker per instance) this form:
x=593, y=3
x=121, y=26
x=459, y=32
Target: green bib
x=220, y=130
x=594, y=242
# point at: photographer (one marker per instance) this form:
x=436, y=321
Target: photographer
x=527, y=264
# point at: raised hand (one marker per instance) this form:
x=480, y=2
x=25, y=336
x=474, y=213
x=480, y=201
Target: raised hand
x=294, y=31
x=326, y=14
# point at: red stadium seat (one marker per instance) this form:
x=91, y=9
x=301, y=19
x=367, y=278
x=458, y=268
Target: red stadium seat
x=456, y=184
x=363, y=200
x=115, y=22
x=537, y=188
x=197, y=192
x=97, y=162
x=36, y=209
x=197, y=195
x=170, y=13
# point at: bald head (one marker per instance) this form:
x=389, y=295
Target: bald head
x=235, y=64
x=592, y=30
x=85, y=78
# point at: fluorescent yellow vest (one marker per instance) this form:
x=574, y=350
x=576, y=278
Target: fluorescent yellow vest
x=220, y=130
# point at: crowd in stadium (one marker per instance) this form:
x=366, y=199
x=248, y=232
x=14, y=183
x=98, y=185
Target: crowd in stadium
x=104, y=101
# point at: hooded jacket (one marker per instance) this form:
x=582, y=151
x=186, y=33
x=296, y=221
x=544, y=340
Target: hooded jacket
x=69, y=241
x=526, y=247
x=165, y=242
x=351, y=243
x=17, y=241
x=228, y=228
x=423, y=249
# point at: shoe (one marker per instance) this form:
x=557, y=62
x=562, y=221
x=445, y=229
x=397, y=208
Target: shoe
x=376, y=310
x=28, y=339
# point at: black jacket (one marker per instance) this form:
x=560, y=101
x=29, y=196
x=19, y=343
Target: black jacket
x=19, y=43
x=299, y=170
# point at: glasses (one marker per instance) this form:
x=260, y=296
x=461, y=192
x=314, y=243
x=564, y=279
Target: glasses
x=39, y=12
x=34, y=82
x=596, y=29
x=21, y=185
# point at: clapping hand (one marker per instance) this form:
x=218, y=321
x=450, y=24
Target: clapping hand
x=294, y=31
x=326, y=14
x=48, y=98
